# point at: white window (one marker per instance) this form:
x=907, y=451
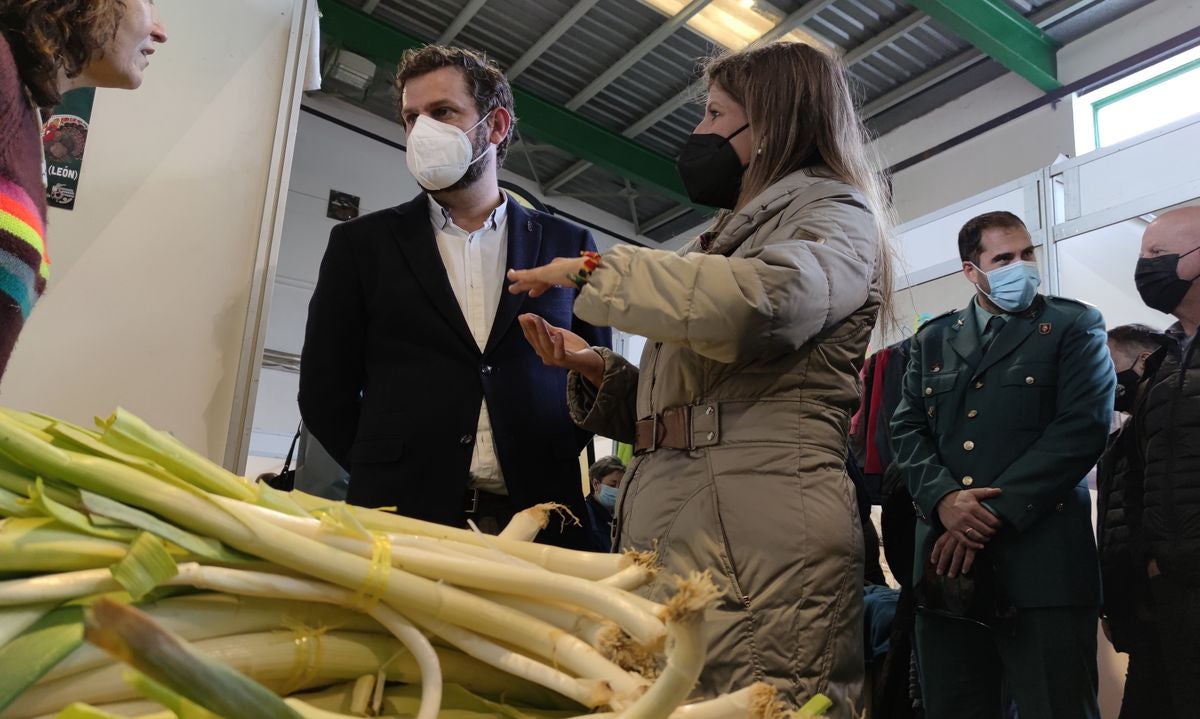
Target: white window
x=1152, y=98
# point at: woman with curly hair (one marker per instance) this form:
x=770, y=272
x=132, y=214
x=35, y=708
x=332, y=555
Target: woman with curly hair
x=48, y=47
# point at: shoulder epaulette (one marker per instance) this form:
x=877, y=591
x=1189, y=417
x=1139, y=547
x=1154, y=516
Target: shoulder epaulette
x=1070, y=300
x=933, y=320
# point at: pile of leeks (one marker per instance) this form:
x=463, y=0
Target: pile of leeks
x=139, y=579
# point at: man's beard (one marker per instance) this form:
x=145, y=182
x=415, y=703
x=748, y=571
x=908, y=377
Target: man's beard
x=479, y=145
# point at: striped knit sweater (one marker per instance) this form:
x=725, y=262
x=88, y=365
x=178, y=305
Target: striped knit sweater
x=24, y=264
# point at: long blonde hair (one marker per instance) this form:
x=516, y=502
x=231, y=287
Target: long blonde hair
x=801, y=113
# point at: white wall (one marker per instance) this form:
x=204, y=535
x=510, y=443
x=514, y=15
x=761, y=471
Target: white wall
x=149, y=289
x=1026, y=144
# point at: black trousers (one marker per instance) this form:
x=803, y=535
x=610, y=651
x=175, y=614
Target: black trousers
x=1045, y=657
x=1177, y=613
x=1146, y=693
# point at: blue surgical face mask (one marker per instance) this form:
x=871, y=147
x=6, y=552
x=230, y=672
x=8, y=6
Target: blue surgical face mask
x=607, y=496
x=1013, y=286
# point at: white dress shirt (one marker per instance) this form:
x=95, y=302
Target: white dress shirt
x=475, y=264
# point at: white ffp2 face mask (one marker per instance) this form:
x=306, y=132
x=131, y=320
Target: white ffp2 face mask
x=439, y=154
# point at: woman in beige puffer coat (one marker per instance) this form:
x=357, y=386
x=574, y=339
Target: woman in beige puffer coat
x=740, y=409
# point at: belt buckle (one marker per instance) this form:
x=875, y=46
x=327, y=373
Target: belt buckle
x=474, y=501
x=652, y=444
x=688, y=429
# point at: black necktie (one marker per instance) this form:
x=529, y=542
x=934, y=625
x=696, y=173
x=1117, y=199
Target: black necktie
x=993, y=327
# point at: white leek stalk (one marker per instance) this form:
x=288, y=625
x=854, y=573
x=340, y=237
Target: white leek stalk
x=587, y=565
x=685, y=656
x=635, y=576
x=603, y=600
x=259, y=584
x=209, y=616
x=590, y=693
x=525, y=525
x=276, y=660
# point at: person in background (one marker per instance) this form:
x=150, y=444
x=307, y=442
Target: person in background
x=414, y=374
x=47, y=48
x=1006, y=406
x=1131, y=346
x=757, y=333
x=1127, y=614
x=605, y=475
x=1161, y=461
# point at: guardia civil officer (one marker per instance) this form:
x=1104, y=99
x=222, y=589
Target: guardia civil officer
x=1006, y=407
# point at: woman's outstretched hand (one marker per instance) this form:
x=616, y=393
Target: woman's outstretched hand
x=536, y=281
x=557, y=347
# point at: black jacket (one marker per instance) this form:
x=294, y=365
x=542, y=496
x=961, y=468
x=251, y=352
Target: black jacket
x=391, y=380
x=1165, y=462
x=1119, y=536
x=599, y=520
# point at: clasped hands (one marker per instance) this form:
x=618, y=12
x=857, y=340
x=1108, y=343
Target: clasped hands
x=969, y=526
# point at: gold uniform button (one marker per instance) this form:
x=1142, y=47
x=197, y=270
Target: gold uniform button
x=968, y=445
x=1029, y=380
x=968, y=480
x=979, y=384
x=928, y=391
x=973, y=414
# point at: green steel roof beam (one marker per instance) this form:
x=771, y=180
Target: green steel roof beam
x=539, y=119
x=1001, y=33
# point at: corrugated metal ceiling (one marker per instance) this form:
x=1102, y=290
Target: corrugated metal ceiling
x=888, y=44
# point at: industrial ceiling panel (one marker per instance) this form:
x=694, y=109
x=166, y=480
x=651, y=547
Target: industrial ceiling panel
x=600, y=189
x=900, y=66
x=685, y=223
x=545, y=163
x=849, y=23
x=596, y=42
x=516, y=24
x=651, y=207
x=507, y=28
x=657, y=77
x=631, y=98
x=668, y=135
x=425, y=19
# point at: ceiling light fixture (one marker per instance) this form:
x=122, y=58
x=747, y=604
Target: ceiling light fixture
x=734, y=24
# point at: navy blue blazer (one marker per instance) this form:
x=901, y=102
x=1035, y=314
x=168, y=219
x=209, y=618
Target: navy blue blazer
x=391, y=380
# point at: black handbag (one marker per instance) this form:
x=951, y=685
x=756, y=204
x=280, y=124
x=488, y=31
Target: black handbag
x=285, y=481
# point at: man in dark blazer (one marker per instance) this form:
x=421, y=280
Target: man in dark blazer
x=1005, y=408
x=415, y=374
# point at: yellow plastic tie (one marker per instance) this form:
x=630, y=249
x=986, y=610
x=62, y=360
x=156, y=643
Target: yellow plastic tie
x=306, y=662
x=368, y=595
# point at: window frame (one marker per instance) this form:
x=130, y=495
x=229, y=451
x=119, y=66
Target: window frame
x=1128, y=92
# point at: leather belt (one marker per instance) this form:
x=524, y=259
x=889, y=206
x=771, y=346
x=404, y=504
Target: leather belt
x=691, y=426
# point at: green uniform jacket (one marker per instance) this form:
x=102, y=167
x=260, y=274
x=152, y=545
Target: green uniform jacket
x=1030, y=416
